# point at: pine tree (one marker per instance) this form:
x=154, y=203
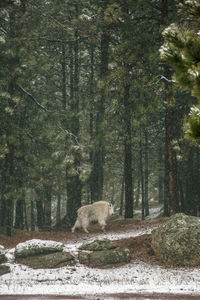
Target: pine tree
x=181, y=49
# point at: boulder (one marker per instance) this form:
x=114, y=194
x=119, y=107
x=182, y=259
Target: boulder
x=4, y=269
x=37, y=247
x=2, y=255
x=177, y=242
x=48, y=261
x=105, y=258
x=41, y=254
x=98, y=245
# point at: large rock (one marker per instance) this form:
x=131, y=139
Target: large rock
x=177, y=243
x=40, y=254
x=4, y=269
x=37, y=247
x=48, y=261
x=103, y=254
x=2, y=255
x=98, y=245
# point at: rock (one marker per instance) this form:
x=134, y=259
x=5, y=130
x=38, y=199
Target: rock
x=39, y=254
x=48, y=261
x=37, y=247
x=177, y=243
x=98, y=245
x=4, y=270
x=105, y=258
x=2, y=255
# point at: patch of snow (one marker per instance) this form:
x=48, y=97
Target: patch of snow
x=35, y=244
x=135, y=277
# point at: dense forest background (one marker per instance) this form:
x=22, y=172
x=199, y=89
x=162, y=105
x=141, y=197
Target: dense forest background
x=89, y=109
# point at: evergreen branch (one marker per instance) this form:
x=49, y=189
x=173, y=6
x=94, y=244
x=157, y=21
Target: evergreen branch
x=31, y=96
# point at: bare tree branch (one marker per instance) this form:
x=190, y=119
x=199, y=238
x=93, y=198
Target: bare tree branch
x=20, y=88
x=166, y=79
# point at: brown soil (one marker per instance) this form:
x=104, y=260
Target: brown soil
x=113, y=225
x=140, y=248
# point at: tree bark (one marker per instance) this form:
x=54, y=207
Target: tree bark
x=73, y=182
x=97, y=173
x=47, y=207
x=160, y=176
x=142, y=177
x=128, y=154
x=40, y=209
x=19, y=215
x=171, y=162
x=8, y=200
x=146, y=173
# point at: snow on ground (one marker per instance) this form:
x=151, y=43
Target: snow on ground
x=135, y=277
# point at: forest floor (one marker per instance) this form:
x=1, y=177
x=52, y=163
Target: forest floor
x=143, y=278
x=139, y=246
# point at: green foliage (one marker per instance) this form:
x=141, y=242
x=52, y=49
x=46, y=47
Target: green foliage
x=181, y=49
x=193, y=130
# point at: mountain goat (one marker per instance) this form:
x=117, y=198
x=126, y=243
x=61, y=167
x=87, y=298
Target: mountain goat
x=98, y=211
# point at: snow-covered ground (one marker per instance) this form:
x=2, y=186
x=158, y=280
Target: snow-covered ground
x=135, y=277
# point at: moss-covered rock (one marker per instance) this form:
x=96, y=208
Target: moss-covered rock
x=177, y=243
x=105, y=258
x=48, y=261
x=41, y=254
x=2, y=255
x=4, y=270
x=37, y=247
x=98, y=245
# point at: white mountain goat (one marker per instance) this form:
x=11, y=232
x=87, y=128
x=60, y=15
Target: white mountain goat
x=98, y=211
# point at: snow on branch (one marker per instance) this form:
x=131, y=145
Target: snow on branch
x=166, y=79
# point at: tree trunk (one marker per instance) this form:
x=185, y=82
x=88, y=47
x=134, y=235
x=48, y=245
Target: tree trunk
x=73, y=182
x=137, y=197
x=63, y=66
x=19, y=215
x=171, y=161
x=97, y=172
x=160, y=176
x=122, y=197
x=128, y=154
x=146, y=173
x=32, y=216
x=142, y=177
x=47, y=208
x=25, y=217
x=8, y=171
x=40, y=209
x=58, y=208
